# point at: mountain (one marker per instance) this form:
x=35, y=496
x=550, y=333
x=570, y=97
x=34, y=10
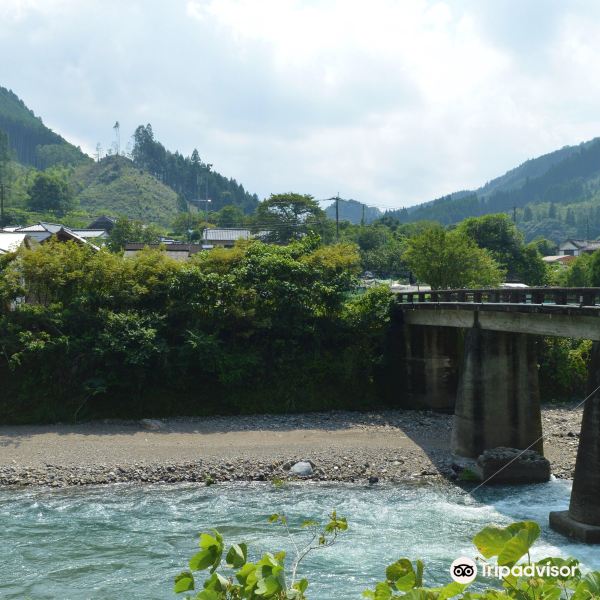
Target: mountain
x=556, y=195
x=153, y=185
x=115, y=186
x=30, y=140
x=352, y=210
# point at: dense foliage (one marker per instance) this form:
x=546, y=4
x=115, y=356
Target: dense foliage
x=50, y=192
x=450, y=259
x=237, y=577
x=255, y=328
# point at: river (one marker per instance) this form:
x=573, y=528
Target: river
x=129, y=540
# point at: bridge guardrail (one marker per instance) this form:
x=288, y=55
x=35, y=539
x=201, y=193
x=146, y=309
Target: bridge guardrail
x=533, y=295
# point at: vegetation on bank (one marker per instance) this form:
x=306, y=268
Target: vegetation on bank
x=234, y=576
x=258, y=328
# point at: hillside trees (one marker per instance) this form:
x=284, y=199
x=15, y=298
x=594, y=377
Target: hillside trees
x=130, y=231
x=50, y=192
x=188, y=176
x=450, y=259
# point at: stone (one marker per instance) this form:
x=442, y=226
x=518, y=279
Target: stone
x=510, y=465
x=302, y=468
x=373, y=480
x=151, y=424
x=562, y=522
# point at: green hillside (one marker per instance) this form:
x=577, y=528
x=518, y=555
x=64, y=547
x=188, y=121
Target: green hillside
x=115, y=186
x=31, y=142
x=556, y=196
x=352, y=210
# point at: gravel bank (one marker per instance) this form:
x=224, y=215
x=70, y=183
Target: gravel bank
x=342, y=446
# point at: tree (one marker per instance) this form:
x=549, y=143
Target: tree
x=50, y=192
x=451, y=259
x=499, y=235
x=289, y=217
x=128, y=231
x=230, y=216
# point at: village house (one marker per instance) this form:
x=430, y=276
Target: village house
x=578, y=247
x=11, y=241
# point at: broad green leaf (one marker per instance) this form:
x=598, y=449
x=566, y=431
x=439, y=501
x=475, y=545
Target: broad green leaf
x=202, y=560
x=268, y=586
x=402, y=574
x=490, y=540
x=524, y=537
x=301, y=585
x=184, y=582
x=237, y=555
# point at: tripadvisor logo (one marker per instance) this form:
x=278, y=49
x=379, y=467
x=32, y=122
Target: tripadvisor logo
x=463, y=570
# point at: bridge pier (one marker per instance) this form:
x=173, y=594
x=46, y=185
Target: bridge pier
x=582, y=520
x=498, y=401
x=431, y=361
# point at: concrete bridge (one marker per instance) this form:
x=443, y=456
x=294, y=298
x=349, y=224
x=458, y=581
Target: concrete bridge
x=473, y=351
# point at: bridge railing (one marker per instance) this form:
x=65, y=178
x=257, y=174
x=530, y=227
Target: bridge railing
x=532, y=295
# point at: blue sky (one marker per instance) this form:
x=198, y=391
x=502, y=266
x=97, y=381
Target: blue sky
x=390, y=102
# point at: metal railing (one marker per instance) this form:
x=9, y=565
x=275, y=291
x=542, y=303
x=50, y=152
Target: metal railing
x=537, y=296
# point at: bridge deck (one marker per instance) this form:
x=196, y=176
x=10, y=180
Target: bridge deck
x=562, y=312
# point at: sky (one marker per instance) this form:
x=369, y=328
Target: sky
x=390, y=102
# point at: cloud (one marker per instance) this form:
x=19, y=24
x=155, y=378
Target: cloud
x=388, y=102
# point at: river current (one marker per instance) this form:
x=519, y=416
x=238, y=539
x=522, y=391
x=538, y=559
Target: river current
x=128, y=541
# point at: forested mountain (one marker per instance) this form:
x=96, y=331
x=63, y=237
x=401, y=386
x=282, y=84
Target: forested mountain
x=352, y=210
x=189, y=176
x=556, y=195
x=31, y=142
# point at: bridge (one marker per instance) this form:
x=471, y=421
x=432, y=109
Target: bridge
x=474, y=352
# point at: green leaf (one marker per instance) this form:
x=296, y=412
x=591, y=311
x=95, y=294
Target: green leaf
x=184, y=582
x=237, y=556
x=301, y=585
x=202, y=560
x=509, y=544
x=402, y=575
x=524, y=536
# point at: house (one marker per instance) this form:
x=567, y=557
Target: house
x=42, y=232
x=223, y=237
x=578, y=247
x=103, y=222
x=11, y=241
x=176, y=251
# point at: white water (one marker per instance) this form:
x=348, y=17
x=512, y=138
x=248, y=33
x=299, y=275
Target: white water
x=128, y=541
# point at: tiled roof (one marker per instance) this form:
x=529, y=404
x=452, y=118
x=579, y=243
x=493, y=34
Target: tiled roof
x=9, y=242
x=227, y=235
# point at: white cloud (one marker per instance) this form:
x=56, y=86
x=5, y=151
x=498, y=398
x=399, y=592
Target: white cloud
x=388, y=102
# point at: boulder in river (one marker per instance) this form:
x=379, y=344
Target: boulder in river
x=302, y=468
x=510, y=465
x=151, y=424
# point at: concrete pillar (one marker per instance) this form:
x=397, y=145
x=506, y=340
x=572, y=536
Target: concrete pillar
x=431, y=360
x=582, y=520
x=498, y=400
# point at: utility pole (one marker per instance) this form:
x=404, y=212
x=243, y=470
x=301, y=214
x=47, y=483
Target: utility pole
x=2, y=204
x=337, y=217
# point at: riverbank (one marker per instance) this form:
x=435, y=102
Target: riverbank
x=342, y=446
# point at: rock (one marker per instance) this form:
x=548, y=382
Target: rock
x=151, y=424
x=373, y=480
x=302, y=468
x=510, y=465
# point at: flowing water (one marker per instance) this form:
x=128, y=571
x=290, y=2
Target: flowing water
x=128, y=541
